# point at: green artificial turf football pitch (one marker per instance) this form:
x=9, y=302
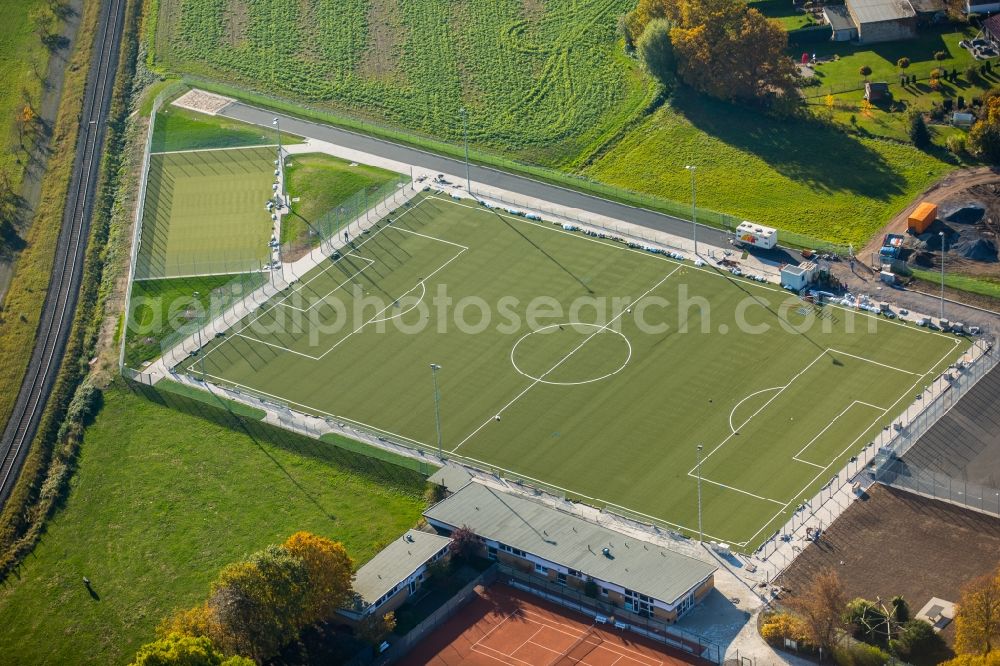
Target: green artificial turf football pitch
x=584, y=364
x=204, y=212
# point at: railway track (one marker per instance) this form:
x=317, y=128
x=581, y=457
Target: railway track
x=64, y=285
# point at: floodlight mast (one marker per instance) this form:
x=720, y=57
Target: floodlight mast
x=694, y=208
x=701, y=535
x=941, y=236
x=465, y=130
x=437, y=405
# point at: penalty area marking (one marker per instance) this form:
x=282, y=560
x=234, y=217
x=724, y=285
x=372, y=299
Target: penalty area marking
x=586, y=381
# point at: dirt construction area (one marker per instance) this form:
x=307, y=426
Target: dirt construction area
x=894, y=542
x=505, y=626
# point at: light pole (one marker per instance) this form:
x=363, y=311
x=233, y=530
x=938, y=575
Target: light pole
x=941, y=236
x=694, y=209
x=201, y=350
x=437, y=404
x=465, y=130
x=701, y=536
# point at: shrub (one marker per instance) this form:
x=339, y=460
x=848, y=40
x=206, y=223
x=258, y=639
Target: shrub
x=940, y=55
x=464, y=543
x=947, y=105
x=865, y=71
x=919, y=134
x=918, y=639
x=860, y=654
x=657, y=52
x=960, y=102
x=780, y=626
x=972, y=75
x=956, y=144
x=903, y=62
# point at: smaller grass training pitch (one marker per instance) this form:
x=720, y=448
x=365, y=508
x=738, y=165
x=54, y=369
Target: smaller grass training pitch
x=506, y=626
x=584, y=364
x=204, y=212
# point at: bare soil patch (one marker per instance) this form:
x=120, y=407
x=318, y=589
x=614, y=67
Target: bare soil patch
x=380, y=59
x=894, y=542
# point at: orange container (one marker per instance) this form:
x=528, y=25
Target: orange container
x=922, y=217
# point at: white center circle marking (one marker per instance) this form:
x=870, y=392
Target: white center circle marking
x=542, y=379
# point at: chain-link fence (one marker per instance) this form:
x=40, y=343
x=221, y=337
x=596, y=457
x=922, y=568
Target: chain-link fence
x=569, y=597
x=330, y=225
x=899, y=474
x=706, y=218
x=678, y=209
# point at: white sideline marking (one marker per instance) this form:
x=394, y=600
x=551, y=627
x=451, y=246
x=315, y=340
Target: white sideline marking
x=830, y=425
x=541, y=378
x=282, y=303
x=868, y=360
x=213, y=150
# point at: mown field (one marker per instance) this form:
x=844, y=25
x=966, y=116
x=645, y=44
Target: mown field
x=547, y=82
x=161, y=501
x=543, y=81
x=796, y=175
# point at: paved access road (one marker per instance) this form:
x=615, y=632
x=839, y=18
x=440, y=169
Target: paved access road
x=67, y=270
x=486, y=175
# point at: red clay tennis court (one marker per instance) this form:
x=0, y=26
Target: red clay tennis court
x=506, y=626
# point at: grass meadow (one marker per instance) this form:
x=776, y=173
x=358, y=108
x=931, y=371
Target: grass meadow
x=320, y=183
x=181, y=129
x=161, y=500
x=801, y=176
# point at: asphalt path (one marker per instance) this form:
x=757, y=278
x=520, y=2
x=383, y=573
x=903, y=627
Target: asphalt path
x=503, y=180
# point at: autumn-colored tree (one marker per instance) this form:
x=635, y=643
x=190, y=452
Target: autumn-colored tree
x=722, y=47
x=197, y=621
x=464, y=543
x=991, y=659
x=821, y=608
x=903, y=62
x=183, y=650
x=977, y=621
x=373, y=627
x=984, y=137
x=260, y=602
x=329, y=570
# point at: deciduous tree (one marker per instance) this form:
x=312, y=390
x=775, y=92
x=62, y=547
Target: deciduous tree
x=977, y=621
x=372, y=628
x=464, y=543
x=657, y=53
x=260, y=602
x=984, y=137
x=183, y=650
x=721, y=47
x=821, y=608
x=329, y=570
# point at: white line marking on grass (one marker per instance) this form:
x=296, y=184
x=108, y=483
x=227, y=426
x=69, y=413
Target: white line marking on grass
x=830, y=425
x=744, y=492
x=586, y=381
x=423, y=292
x=781, y=390
x=773, y=388
x=371, y=262
x=837, y=457
x=541, y=378
x=196, y=275
x=213, y=150
x=868, y=360
x=280, y=347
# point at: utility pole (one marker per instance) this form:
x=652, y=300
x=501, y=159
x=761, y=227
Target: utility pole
x=701, y=535
x=437, y=405
x=941, y=236
x=465, y=129
x=201, y=349
x=694, y=209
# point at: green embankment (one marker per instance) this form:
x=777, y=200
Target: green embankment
x=160, y=502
